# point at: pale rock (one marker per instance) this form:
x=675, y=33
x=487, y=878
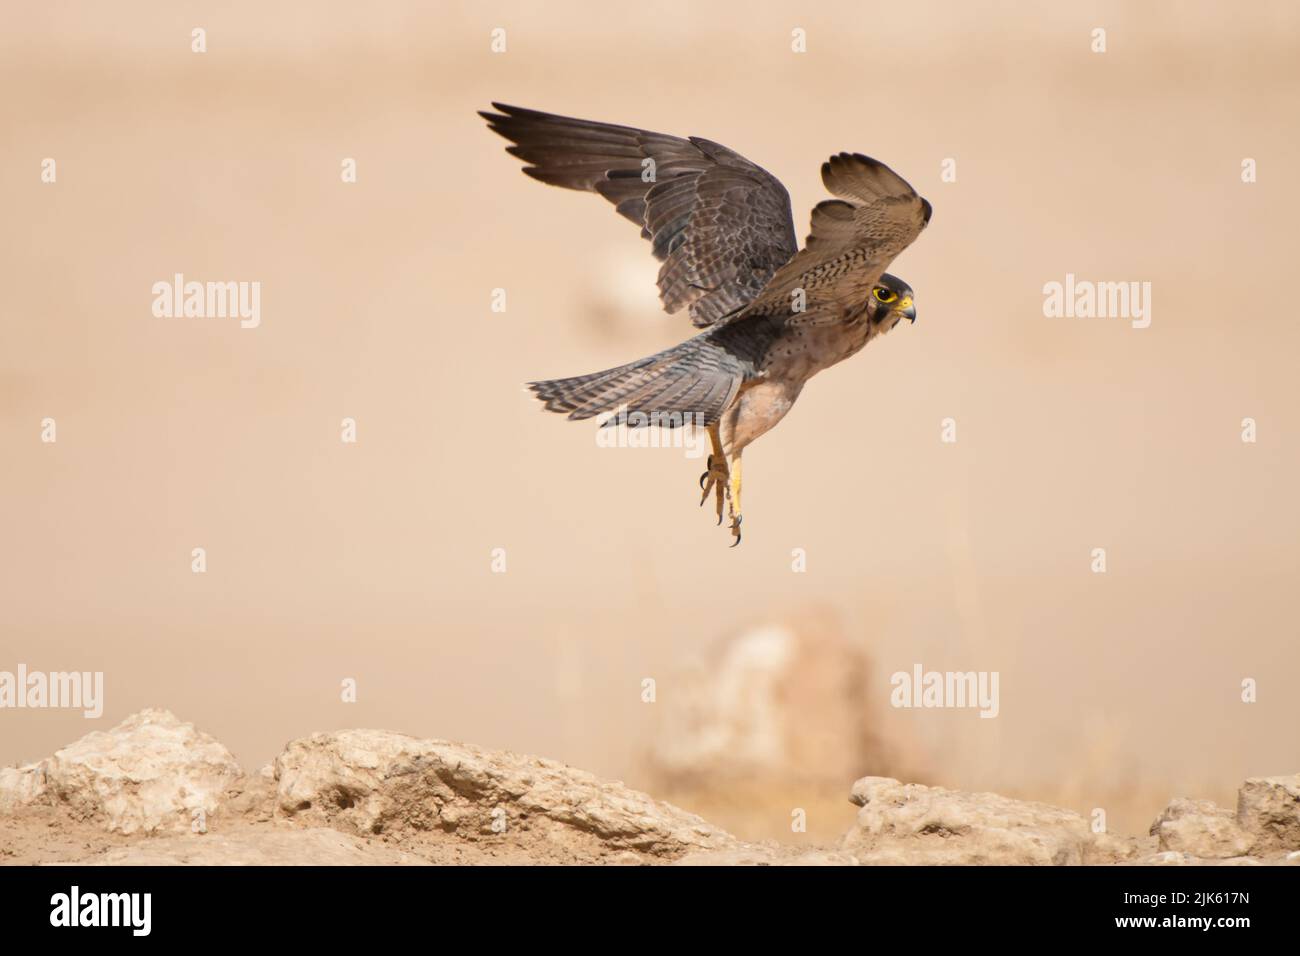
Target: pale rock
x=21, y=786
x=255, y=800
x=1269, y=809
x=363, y=797
x=914, y=824
x=149, y=773
x=1200, y=828
x=373, y=781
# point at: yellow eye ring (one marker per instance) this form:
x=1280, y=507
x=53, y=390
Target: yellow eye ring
x=884, y=295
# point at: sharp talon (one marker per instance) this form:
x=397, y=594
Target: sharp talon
x=703, y=478
x=719, y=520
x=737, y=541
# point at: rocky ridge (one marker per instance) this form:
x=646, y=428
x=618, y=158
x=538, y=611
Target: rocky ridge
x=154, y=790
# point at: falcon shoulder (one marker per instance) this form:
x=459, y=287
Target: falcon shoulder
x=853, y=238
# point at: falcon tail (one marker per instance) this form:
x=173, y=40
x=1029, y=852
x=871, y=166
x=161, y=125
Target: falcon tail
x=688, y=384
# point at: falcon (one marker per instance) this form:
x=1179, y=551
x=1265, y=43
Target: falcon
x=772, y=315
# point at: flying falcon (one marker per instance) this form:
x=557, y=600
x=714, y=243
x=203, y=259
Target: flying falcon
x=773, y=315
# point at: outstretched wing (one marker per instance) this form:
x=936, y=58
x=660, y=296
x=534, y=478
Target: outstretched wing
x=853, y=238
x=720, y=225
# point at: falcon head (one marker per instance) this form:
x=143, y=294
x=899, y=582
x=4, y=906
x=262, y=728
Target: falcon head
x=893, y=301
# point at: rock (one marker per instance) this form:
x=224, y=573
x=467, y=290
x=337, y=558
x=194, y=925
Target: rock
x=276, y=847
x=1266, y=823
x=1108, y=848
x=783, y=701
x=130, y=796
x=914, y=824
x=372, y=782
x=149, y=773
x=1202, y=829
x=1269, y=809
x=21, y=786
x=255, y=801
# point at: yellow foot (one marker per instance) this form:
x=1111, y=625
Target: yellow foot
x=723, y=479
x=733, y=499
x=718, y=480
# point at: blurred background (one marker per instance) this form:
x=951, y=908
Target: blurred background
x=373, y=561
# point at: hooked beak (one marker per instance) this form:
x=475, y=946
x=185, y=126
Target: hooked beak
x=907, y=309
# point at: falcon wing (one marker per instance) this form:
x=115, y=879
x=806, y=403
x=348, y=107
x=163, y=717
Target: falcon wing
x=853, y=238
x=720, y=225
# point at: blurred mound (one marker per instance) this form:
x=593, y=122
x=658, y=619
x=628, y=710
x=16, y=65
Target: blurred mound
x=773, y=718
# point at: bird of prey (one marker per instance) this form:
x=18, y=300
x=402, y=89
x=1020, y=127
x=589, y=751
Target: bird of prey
x=773, y=315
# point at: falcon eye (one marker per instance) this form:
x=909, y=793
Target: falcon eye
x=884, y=295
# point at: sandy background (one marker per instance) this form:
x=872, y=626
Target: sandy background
x=371, y=561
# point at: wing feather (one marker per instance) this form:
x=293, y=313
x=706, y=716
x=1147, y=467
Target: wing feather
x=720, y=224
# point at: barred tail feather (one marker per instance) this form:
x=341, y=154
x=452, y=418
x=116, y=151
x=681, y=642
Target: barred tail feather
x=692, y=382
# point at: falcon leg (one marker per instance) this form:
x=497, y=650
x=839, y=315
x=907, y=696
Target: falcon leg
x=717, y=479
x=733, y=498
x=723, y=479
